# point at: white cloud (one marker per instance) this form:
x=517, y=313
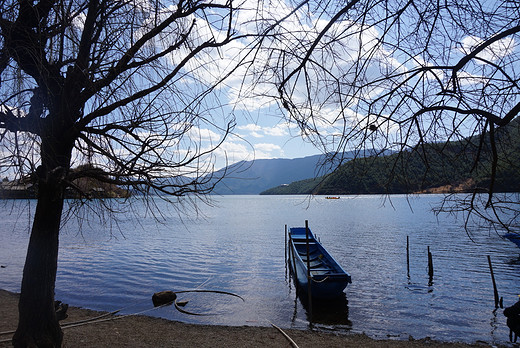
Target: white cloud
x=234, y=151
x=203, y=134
x=78, y=22
x=264, y=147
x=265, y=151
x=493, y=52
x=251, y=127
x=257, y=131
x=231, y=152
x=468, y=79
x=277, y=131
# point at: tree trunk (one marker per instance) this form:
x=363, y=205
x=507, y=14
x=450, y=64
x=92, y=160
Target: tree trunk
x=38, y=325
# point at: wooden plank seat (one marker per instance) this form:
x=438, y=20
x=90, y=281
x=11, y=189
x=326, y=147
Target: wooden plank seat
x=299, y=242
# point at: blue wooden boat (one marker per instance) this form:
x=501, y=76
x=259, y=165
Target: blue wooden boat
x=513, y=237
x=328, y=278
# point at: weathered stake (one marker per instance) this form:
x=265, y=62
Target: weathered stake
x=408, y=256
x=292, y=265
x=286, y=258
x=495, y=291
x=430, y=265
x=309, y=280
x=286, y=245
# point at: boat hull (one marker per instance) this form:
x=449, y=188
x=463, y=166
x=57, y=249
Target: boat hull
x=327, y=277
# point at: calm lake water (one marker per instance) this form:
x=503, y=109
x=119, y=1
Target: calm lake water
x=237, y=245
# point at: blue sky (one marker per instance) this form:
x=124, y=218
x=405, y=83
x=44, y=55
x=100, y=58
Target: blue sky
x=269, y=136
x=262, y=130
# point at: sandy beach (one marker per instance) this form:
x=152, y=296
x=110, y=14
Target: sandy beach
x=143, y=331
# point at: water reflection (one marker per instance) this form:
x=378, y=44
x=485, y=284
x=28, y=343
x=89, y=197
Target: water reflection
x=325, y=313
x=331, y=313
x=514, y=261
x=419, y=288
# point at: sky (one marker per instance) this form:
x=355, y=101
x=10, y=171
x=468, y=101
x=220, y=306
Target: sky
x=267, y=137
x=261, y=130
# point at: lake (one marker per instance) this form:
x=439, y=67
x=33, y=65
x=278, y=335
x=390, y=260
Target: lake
x=237, y=245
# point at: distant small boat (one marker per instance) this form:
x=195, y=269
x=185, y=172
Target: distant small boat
x=328, y=278
x=331, y=197
x=513, y=237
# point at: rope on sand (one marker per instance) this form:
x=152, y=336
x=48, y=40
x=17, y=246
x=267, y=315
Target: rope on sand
x=286, y=336
x=97, y=319
x=65, y=325
x=177, y=306
x=102, y=318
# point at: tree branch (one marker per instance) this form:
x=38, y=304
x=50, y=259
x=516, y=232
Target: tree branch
x=124, y=62
x=322, y=33
x=144, y=92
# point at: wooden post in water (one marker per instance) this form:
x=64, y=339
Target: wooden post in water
x=495, y=291
x=408, y=256
x=292, y=265
x=309, y=279
x=286, y=245
x=430, y=265
x=286, y=258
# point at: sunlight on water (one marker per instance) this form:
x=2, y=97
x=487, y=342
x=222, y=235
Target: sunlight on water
x=238, y=246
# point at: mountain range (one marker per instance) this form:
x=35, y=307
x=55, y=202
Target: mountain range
x=253, y=177
x=457, y=166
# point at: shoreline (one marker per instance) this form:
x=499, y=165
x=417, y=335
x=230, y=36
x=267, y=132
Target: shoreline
x=145, y=331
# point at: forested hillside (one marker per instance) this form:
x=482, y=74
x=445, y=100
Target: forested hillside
x=438, y=167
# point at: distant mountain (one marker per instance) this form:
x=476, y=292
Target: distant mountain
x=436, y=168
x=253, y=177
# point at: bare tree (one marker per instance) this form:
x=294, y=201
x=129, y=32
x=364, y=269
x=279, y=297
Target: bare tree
x=400, y=75
x=118, y=90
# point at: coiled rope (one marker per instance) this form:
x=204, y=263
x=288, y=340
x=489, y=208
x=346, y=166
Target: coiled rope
x=103, y=317
x=177, y=304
